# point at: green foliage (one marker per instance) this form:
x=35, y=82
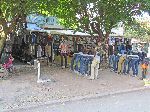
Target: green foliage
x=136, y=30
x=98, y=16
x=94, y=16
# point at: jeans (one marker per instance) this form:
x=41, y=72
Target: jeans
x=77, y=60
x=72, y=61
x=125, y=65
x=111, y=61
x=89, y=60
x=65, y=56
x=134, y=65
x=82, y=65
x=115, y=62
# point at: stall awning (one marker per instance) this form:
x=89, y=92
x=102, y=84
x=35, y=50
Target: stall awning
x=34, y=27
x=67, y=32
x=56, y=27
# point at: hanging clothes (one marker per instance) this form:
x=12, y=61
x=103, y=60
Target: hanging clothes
x=25, y=39
x=44, y=41
x=38, y=39
x=39, y=52
x=33, y=36
x=32, y=49
x=63, y=47
x=48, y=50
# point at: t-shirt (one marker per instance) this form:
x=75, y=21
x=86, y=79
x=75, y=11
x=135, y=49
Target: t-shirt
x=63, y=47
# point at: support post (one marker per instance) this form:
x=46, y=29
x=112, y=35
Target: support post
x=38, y=67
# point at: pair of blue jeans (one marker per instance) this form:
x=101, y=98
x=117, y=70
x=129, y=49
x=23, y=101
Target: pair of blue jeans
x=72, y=61
x=88, y=62
x=125, y=66
x=77, y=60
x=111, y=57
x=82, y=65
x=134, y=64
x=115, y=62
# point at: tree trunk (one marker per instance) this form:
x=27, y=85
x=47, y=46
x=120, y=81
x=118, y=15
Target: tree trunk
x=3, y=33
x=106, y=41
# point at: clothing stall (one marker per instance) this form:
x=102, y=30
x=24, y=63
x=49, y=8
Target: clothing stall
x=75, y=41
x=34, y=43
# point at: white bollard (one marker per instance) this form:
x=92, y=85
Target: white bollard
x=39, y=80
x=38, y=67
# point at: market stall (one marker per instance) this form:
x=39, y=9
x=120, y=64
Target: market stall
x=76, y=42
x=31, y=44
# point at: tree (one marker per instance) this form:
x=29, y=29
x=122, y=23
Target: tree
x=93, y=16
x=139, y=29
x=14, y=12
x=98, y=16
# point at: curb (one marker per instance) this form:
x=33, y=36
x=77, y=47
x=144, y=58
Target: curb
x=80, y=98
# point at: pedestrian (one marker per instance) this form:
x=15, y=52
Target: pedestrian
x=144, y=66
x=121, y=63
x=95, y=66
x=64, y=53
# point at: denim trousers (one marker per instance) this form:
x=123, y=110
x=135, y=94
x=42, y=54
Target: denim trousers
x=89, y=60
x=82, y=67
x=77, y=60
x=125, y=65
x=72, y=61
x=65, y=56
x=134, y=63
x=144, y=73
x=135, y=66
x=115, y=62
x=111, y=61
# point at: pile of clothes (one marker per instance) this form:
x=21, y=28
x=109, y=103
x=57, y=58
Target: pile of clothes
x=122, y=63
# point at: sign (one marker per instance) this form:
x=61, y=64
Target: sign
x=40, y=20
x=51, y=20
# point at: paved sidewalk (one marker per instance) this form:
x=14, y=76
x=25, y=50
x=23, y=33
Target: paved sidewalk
x=22, y=90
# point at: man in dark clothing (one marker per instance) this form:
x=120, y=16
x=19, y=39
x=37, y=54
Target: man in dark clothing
x=128, y=47
x=110, y=50
x=110, y=54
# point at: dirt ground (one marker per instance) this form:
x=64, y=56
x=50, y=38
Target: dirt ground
x=22, y=88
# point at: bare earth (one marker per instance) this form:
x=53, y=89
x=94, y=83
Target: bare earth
x=22, y=89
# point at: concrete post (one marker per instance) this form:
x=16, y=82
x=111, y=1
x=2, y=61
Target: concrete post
x=38, y=67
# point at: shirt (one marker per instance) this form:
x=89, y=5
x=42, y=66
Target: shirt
x=63, y=47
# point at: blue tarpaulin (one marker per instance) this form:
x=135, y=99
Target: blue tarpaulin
x=33, y=27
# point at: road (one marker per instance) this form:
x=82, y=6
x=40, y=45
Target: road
x=138, y=101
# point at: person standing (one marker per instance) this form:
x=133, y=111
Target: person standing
x=39, y=52
x=120, y=63
x=111, y=55
x=48, y=52
x=144, y=66
x=94, y=67
x=64, y=50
